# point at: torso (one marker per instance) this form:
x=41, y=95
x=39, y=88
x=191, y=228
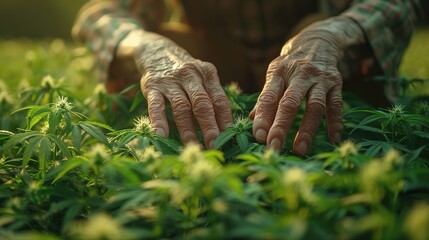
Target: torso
x=244, y=36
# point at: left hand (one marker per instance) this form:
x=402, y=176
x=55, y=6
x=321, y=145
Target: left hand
x=306, y=68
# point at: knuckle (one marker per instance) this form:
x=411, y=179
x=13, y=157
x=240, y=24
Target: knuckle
x=315, y=110
x=148, y=81
x=156, y=105
x=336, y=106
x=209, y=68
x=186, y=70
x=289, y=103
x=277, y=67
x=335, y=76
x=316, y=106
x=147, y=90
x=268, y=97
x=180, y=106
x=201, y=104
x=221, y=101
x=306, y=66
x=336, y=102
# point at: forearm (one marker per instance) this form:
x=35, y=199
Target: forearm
x=104, y=25
x=345, y=31
x=340, y=34
x=101, y=25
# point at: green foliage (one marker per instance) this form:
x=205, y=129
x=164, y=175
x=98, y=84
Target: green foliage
x=91, y=167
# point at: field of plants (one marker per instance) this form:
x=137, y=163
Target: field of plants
x=77, y=163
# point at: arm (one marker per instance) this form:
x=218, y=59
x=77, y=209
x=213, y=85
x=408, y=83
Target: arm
x=102, y=25
x=124, y=41
x=307, y=68
x=387, y=26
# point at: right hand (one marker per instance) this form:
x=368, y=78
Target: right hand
x=192, y=87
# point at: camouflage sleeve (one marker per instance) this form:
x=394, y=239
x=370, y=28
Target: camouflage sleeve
x=102, y=24
x=388, y=25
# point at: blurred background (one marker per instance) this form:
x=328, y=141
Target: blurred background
x=37, y=18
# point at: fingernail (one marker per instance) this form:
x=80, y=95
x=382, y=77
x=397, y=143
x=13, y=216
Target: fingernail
x=302, y=147
x=160, y=132
x=276, y=144
x=261, y=135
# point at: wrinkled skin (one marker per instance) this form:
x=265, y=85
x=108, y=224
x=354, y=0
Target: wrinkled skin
x=190, y=85
x=306, y=69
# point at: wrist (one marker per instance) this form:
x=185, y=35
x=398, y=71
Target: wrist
x=133, y=45
x=147, y=48
x=344, y=30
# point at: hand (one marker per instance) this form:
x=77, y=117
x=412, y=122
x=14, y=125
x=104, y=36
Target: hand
x=306, y=68
x=190, y=85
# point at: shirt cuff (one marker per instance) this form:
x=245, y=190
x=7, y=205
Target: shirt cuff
x=388, y=28
x=102, y=25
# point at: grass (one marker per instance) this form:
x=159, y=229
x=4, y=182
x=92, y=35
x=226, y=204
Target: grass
x=26, y=62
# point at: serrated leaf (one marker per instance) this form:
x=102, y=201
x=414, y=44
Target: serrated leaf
x=242, y=141
x=20, y=137
x=59, y=206
x=45, y=153
x=124, y=169
x=366, y=128
x=54, y=122
x=169, y=146
x=99, y=124
x=375, y=147
x=138, y=99
x=67, y=119
x=68, y=166
x=124, y=137
x=224, y=137
x=248, y=157
x=95, y=132
x=412, y=155
x=421, y=134
x=71, y=213
x=5, y=134
x=76, y=138
x=36, y=119
x=31, y=147
x=61, y=145
x=215, y=155
x=27, y=108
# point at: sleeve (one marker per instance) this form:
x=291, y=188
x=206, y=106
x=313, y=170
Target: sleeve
x=388, y=25
x=102, y=24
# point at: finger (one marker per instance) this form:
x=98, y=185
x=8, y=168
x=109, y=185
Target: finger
x=334, y=113
x=203, y=110
x=287, y=109
x=314, y=111
x=156, y=108
x=182, y=112
x=266, y=108
x=221, y=105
